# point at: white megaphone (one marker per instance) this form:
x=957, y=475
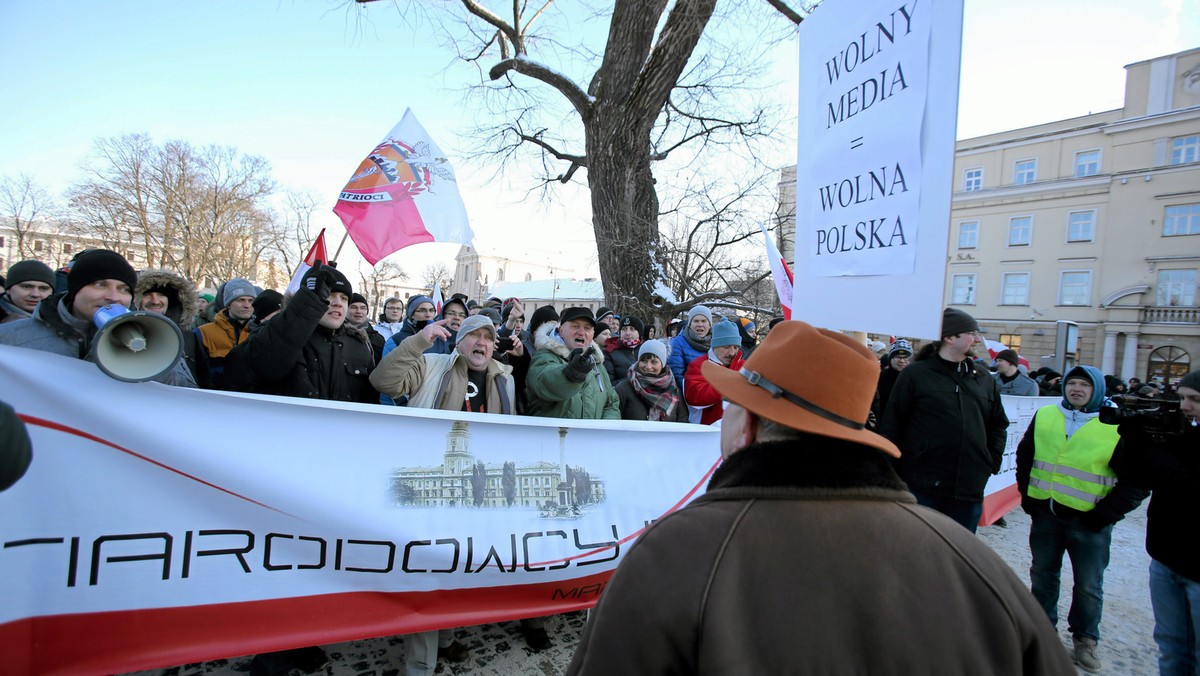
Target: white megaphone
x=135, y=346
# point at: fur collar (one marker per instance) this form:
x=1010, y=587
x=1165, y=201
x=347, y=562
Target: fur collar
x=184, y=302
x=810, y=462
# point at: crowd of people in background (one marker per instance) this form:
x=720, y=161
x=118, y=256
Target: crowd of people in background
x=937, y=405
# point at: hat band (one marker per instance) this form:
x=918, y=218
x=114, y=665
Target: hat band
x=776, y=391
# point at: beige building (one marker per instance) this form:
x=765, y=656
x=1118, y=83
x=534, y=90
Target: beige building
x=1093, y=220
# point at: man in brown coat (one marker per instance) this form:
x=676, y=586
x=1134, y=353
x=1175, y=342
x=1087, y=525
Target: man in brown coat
x=807, y=554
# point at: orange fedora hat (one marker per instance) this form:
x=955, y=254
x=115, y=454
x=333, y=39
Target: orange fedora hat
x=809, y=379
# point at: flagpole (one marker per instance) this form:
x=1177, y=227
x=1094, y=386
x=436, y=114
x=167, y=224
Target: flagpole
x=339, y=249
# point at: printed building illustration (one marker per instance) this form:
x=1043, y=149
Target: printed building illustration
x=461, y=481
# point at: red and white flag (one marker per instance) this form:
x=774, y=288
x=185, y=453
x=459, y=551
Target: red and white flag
x=437, y=297
x=780, y=272
x=403, y=193
x=315, y=253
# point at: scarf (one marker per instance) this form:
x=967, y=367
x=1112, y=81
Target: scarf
x=698, y=344
x=658, y=392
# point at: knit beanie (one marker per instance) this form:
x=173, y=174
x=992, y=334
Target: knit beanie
x=545, y=313
x=655, y=347
x=725, y=333
x=96, y=265
x=267, y=302
x=699, y=310
x=1008, y=356
x=1191, y=380
x=414, y=303
x=955, y=321
x=358, y=298
x=474, y=323
x=634, y=323
x=341, y=283
x=603, y=312
x=491, y=313
x=900, y=345
x=29, y=271
x=236, y=288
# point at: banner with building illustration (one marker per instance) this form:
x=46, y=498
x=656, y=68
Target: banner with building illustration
x=160, y=526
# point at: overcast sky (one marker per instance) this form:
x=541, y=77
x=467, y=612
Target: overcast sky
x=312, y=88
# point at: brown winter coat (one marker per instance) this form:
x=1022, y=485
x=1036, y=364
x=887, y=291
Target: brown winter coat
x=810, y=557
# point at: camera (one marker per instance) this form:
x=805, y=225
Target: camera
x=1156, y=418
x=506, y=344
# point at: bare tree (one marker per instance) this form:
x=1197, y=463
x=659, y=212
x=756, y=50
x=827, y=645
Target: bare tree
x=436, y=276
x=26, y=206
x=199, y=212
x=653, y=98
x=373, y=282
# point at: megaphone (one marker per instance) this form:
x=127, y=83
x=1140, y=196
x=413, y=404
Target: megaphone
x=135, y=346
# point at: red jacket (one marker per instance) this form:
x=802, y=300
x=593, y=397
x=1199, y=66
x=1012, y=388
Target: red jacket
x=700, y=394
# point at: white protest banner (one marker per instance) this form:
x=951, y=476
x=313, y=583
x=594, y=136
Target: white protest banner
x=160, y=526
x=878, y=105
x=1000, y=495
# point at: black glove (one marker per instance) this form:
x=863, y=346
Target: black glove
x=579, y=365
x=319, y=279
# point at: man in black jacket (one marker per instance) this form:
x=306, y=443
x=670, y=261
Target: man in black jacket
x=946, y=416
x=308, y=349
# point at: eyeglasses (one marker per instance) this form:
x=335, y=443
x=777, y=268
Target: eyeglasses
x=453, y=315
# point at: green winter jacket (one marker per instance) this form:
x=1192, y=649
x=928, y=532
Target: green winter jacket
x=552, y=395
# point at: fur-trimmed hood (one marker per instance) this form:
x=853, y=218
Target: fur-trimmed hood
x=184, y=299
x=547, y=339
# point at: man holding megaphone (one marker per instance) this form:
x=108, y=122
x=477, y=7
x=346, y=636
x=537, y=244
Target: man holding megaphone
x=65, y=324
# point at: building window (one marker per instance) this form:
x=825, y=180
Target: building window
x=1012, y=341
x=1024, y=172
x=1020, y=231
x=1176, y=288
x=37, y=245
x=968, y=234
x=1075, y=287
x=1081, y=226
x=1169, y=363
x=1014, y=289
x=1185, y=149
x=66, y=247
x=1, y=242
x=1181, y=219
x=973, y=179
x=1087, y=163
x=528, y=276
x=963, y=290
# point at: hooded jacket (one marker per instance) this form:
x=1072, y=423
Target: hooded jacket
x=293, y=355
x=10, y=312
x=183, y=302
x=439, y=380
x=53, y=328
x=550, y=394
x=799, y=552
x=949, y=423
x=1125, y=495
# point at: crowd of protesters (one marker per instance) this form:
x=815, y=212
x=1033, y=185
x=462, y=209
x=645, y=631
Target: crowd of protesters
x=935, y=410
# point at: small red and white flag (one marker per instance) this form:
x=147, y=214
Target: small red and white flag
x=315, y=253
x=437, y=297
x=781, y=273
x=403, y=193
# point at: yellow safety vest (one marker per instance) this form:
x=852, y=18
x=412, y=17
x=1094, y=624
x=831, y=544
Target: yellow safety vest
x=1073, y=472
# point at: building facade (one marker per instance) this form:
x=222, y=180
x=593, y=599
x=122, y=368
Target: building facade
x=478, y=275
x=1093, y=220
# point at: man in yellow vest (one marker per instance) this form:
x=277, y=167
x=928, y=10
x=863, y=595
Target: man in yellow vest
x=1069, y=467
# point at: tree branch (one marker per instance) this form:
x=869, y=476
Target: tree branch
x=792, y=15
x=576, y=96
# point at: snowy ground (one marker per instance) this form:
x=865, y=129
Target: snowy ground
x=1126, y=644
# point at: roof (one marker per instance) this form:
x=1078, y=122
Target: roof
x=547, y=289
